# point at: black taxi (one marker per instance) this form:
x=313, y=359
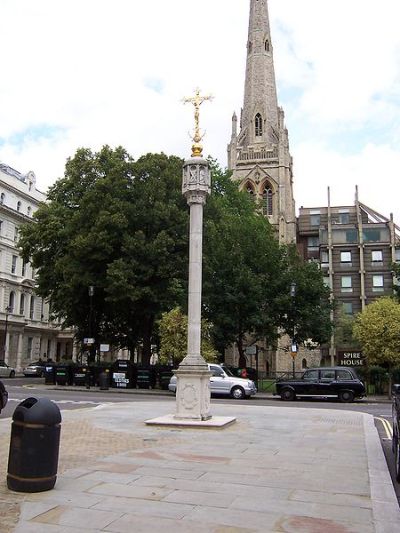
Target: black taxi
x=328, y=382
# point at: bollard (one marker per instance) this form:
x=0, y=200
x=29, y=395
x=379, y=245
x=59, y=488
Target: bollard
x=34, y=446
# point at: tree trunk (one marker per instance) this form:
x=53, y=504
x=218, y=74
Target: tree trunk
x=148, y=333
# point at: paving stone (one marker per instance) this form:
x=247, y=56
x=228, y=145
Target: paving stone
x=75, y=517
x=144, y=507
x=130, y=491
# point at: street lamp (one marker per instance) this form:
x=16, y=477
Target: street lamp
x=293, y=347
x=91, y=294
x=8, y=311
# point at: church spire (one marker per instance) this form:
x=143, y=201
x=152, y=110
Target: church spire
x=260, y=121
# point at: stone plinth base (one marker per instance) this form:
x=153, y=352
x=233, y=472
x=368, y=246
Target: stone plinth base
x=193, y=393
x=216, y=422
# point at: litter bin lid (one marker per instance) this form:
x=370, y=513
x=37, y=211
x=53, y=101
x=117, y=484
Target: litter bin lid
x=38, y=411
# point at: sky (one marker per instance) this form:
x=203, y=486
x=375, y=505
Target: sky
x=93, y=72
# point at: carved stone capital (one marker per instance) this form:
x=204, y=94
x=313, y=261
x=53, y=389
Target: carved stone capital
x=196, y=178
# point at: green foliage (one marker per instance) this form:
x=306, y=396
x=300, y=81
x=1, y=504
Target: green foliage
x=247, y=276
x=120, y=226
x=396, y=272
x=377, y=329
x=173, y=329
x=344, y=330
x=306, y=315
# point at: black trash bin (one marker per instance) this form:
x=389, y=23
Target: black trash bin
x=104, y=379
x=34, y=446
x=63, y=375
x=122, y=375
x=80, y=375
x=50, y=374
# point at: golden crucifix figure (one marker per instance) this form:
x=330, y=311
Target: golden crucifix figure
x=197, y=100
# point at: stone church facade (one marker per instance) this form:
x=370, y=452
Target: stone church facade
x=261, y=164
x=258, y=154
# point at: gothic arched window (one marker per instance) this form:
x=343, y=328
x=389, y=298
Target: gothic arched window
x=11, y=301
x=250, y=191
x=267, y=200
x=258, y=125
x=32, y=308
x=22, y=305
x=267, y=45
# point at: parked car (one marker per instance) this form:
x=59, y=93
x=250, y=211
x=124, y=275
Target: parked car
x=6, y=371
x=223, y=382
x=396, y=428
x=37, y=368
x=333, y=382
x=3, y=396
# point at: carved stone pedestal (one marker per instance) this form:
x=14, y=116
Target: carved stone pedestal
x=193, y=394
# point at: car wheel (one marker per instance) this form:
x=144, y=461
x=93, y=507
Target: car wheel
x=346, y=396
x=12, y=374
x=237, y=393
x=288, y=395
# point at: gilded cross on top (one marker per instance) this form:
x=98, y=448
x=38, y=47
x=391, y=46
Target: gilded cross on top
x=197, y=100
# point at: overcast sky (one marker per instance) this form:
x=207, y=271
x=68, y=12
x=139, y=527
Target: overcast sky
x=92, y=72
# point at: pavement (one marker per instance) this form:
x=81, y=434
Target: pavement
x=277, y=469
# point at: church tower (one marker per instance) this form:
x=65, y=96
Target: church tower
x=259, y=155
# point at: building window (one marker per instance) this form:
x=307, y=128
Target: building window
x=250, y=192
x=351, y=235
x=267, y=48
x=32, y=308
x=18, y=206
x=313, y=244
x=14, y=264
x=11, y=301
x=29, y=210
x=377, y=283
x=22, y=305
x=327, y=281
x=304, y=363
x=345, y=257
x=16, y=233
x=2, y=198
x=346, y=284
x=344, y=217
x=377, y=256
x=397, y=255
x=267, y=201
x=258, y=125
x=324, y=257
x=347, y=308
x=315, y=219
x=371, y=235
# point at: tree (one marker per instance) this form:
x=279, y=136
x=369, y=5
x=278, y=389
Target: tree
x=120, y=226
x=305, y=315
x=344, y=330
x=396, y=286
x=377, y=329
x=173, y=329
x=248, y=276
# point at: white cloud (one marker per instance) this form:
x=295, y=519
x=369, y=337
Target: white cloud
x=99, y=72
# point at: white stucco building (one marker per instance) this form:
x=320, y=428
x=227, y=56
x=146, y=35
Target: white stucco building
x=25, y=330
